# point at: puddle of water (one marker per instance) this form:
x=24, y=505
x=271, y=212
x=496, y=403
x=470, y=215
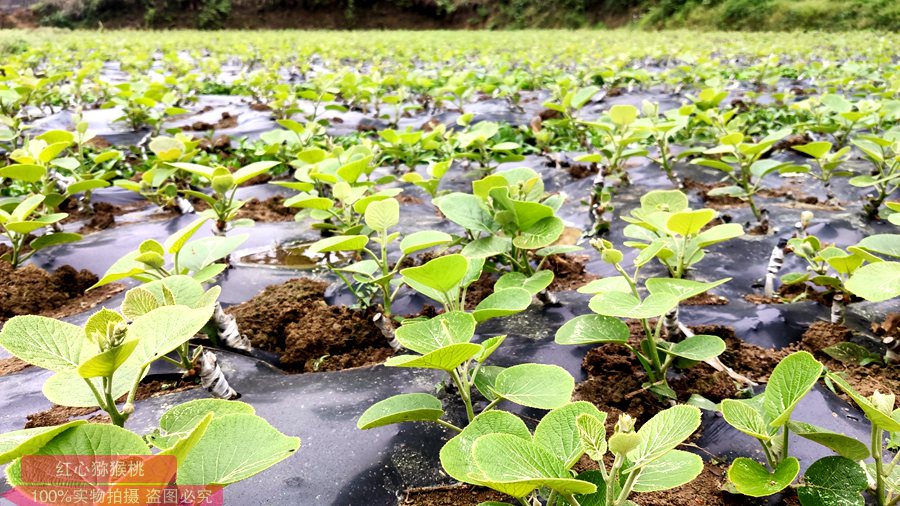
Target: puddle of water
x=288, y=255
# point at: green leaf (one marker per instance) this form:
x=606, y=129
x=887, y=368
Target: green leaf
x=185, y=290
x=199, y=254
x=815, y=149
x=486, y=379
x=534, y=283
x=558, y=431
x=401, y=408
x=106, y=363
x=456, y=455
x=383, y=214
x=446, y=358
x=443, y=330
x=751, y=478
x=690, y=222
x=743, y=416
x=249, y=172
x=54, y=239
x=852, y=353
x=28, y=441
x=673, y=469
x=502, y=303
x=671, y=201
x=719, y=233
x=438, y=278
x=305, y=201
x=879, y=418
x=524, y=467
x=592, y=329
x=884, y=244
x=338, y=243
x=611, y=284
x=622, y=114
x=666, y=430
x=697, y=348
x=235, y=447
x=876, y=282
x=487, y=247
x=23, y=172
x=535, y=385
x=467, y=211
x=833, y=481
x=162, y=330
x=791, y=379
x=44, y=342
x=592, y=432
x=177, y=240
x=626, y=305
x=86, y=440
x=683, y=289
x=489, y=346
x=423, y=239
x=178, y=422
x=542, y=233
x=844, y=446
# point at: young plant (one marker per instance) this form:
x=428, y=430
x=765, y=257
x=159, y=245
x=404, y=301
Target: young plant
x=665, y=224
x=613, y=135
x=445, y=343
x=223, y=206
x=619, y=297
x=828, y=163
x=509, y=217
x=161, y=183
x=436, y=172
x=482, y=143
x=411, y=148
x=498, y=451
x=884, y=153
x=197, y=434
x=201, y=259
x=885, y=420
x=568, y=101
x=17, y=224
x=98, y=364
x=744, y=165
x=662, y=129
x=144, y=105
x=767, y=418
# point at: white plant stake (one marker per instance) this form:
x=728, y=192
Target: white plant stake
x=211, y=376
x=776, y=262
x=229, y=334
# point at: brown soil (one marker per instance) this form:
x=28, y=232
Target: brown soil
x=705, y=299
x=480, y=289
x=293, y=320
x=569, y=272
x=791, y=293
x=451, y=495
x=32, y=290
x=269, y=210
x=726, y=202
x=58, y=415
x=890, y=327
x=706, y=490
x=227, y=121
x=103, y=215
x=408, y=199
x=12, y=365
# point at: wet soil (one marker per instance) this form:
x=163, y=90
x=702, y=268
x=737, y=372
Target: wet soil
x=58, y=415
x=294, y=320
x=269, y=210
x=32, y=290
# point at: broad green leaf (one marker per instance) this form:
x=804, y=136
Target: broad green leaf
x=199, y=254
x=487, y=247
x=815, y=149
x=186, y=290
x=383, y=214
x=486, y=379
x=719, y=233
x=876, y=282
x=423, y=239
x=673, y=469
x=23, y=172
x=879, y=418
x=178, y=422
x=534, y=283
x=447, y=358
x=698, y=347
x=401, y=408
x=791, y=379
x=542, y=233
x=844, y=446
x=249, y=172
x=456, y=455
x=433, y=334
x=54, y=239
x=28, y=441
x=535, y=385
x=666, y=430
x=671, y=201
x=489, y=346
x=177, y=240
x=235, y=447
x=86, y=440
x=683, y=289
x=592, y=432
x=690, y=222
x=502, y=303
x=438, y=278
x=751, y=478
x=183, y=446
x=338, y=243
x=558, y=431
x=592, y=329
x=626, y=305
x=852, y=353
x=162, y=330
x=44, y=342
x=525, y=466
x=833, y=481
x=884, y=244
x=467, y=211
x=68, y=388
x=743, y=416
x=612, y=284
x=623, y=114
x=305, y=201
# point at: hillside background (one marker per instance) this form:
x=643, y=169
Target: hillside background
x=835, y=15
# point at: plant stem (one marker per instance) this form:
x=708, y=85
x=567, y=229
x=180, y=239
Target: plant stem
x=626, y=488
x=570, y=498
x=100, y=399
x=878, y=455
x=464, y=393
x=448, y=425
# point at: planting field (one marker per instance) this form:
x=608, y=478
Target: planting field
x=453, y=268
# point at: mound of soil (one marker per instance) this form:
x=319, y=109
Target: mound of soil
x=293, y=320
x=569, y=272
x=450, y=495
x=103, y=215
x=32, y=290
x=269, y=210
